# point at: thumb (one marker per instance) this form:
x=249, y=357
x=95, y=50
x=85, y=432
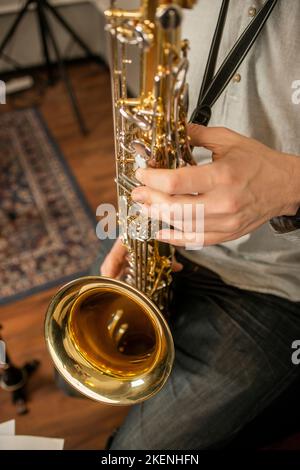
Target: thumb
x=114, y=262
x=212, y=138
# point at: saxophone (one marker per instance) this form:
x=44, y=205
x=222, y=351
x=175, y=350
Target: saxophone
x=109, y=338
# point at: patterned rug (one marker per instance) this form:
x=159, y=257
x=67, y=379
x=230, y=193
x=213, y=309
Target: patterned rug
x=47, y=231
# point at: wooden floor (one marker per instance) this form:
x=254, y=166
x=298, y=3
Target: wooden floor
x=82, y=423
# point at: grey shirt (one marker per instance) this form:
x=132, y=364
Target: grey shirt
x=263, y=102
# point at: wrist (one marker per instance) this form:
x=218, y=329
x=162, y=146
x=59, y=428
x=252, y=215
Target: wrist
x=292, y=193
x=289, y=185
x=289, y=219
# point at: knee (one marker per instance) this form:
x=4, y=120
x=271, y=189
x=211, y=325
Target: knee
x=138, y=432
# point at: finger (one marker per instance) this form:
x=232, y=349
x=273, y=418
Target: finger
x=193, y=241
x=186, y=180
x=176, y=266
x=211, y=138
x=184, y=212
x=184, y=217
x=145, y=195
x=218, y=208
x=113, y=264
x=194, y=218
x=181, y=239
x=161, y=201
x=225, y=223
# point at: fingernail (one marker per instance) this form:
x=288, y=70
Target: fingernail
x=137, y=196
x=139, y=175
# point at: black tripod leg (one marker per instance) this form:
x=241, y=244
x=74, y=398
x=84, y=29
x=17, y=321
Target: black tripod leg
x=66, y=79
x=43, y=32
x=71, y=31
x=13, y=27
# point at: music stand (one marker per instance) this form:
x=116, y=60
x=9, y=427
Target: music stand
x=42, y=8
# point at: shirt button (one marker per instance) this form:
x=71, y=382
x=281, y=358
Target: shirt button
x=252, y=11
x=237, y=78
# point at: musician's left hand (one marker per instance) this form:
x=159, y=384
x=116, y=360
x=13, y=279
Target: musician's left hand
x=246, y=185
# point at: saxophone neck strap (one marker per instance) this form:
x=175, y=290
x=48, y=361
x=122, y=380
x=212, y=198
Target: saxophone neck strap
x=214, y=84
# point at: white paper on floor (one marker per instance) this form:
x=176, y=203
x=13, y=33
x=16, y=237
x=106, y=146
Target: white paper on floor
x=9, y=441
x=8, y=428
x=30, y=443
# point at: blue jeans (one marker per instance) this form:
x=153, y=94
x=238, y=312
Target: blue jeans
x=233, y=359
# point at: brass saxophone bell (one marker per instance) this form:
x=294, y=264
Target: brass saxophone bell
x=108, y=340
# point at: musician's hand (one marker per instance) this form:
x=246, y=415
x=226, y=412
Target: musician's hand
x=115, y=263
x=246, y=185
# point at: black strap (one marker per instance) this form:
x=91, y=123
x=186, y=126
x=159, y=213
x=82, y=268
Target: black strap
x=214, y=49
x=212, y=88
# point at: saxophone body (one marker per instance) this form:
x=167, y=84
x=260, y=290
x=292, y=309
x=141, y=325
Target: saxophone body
x=150, y=129
x=109, y=338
